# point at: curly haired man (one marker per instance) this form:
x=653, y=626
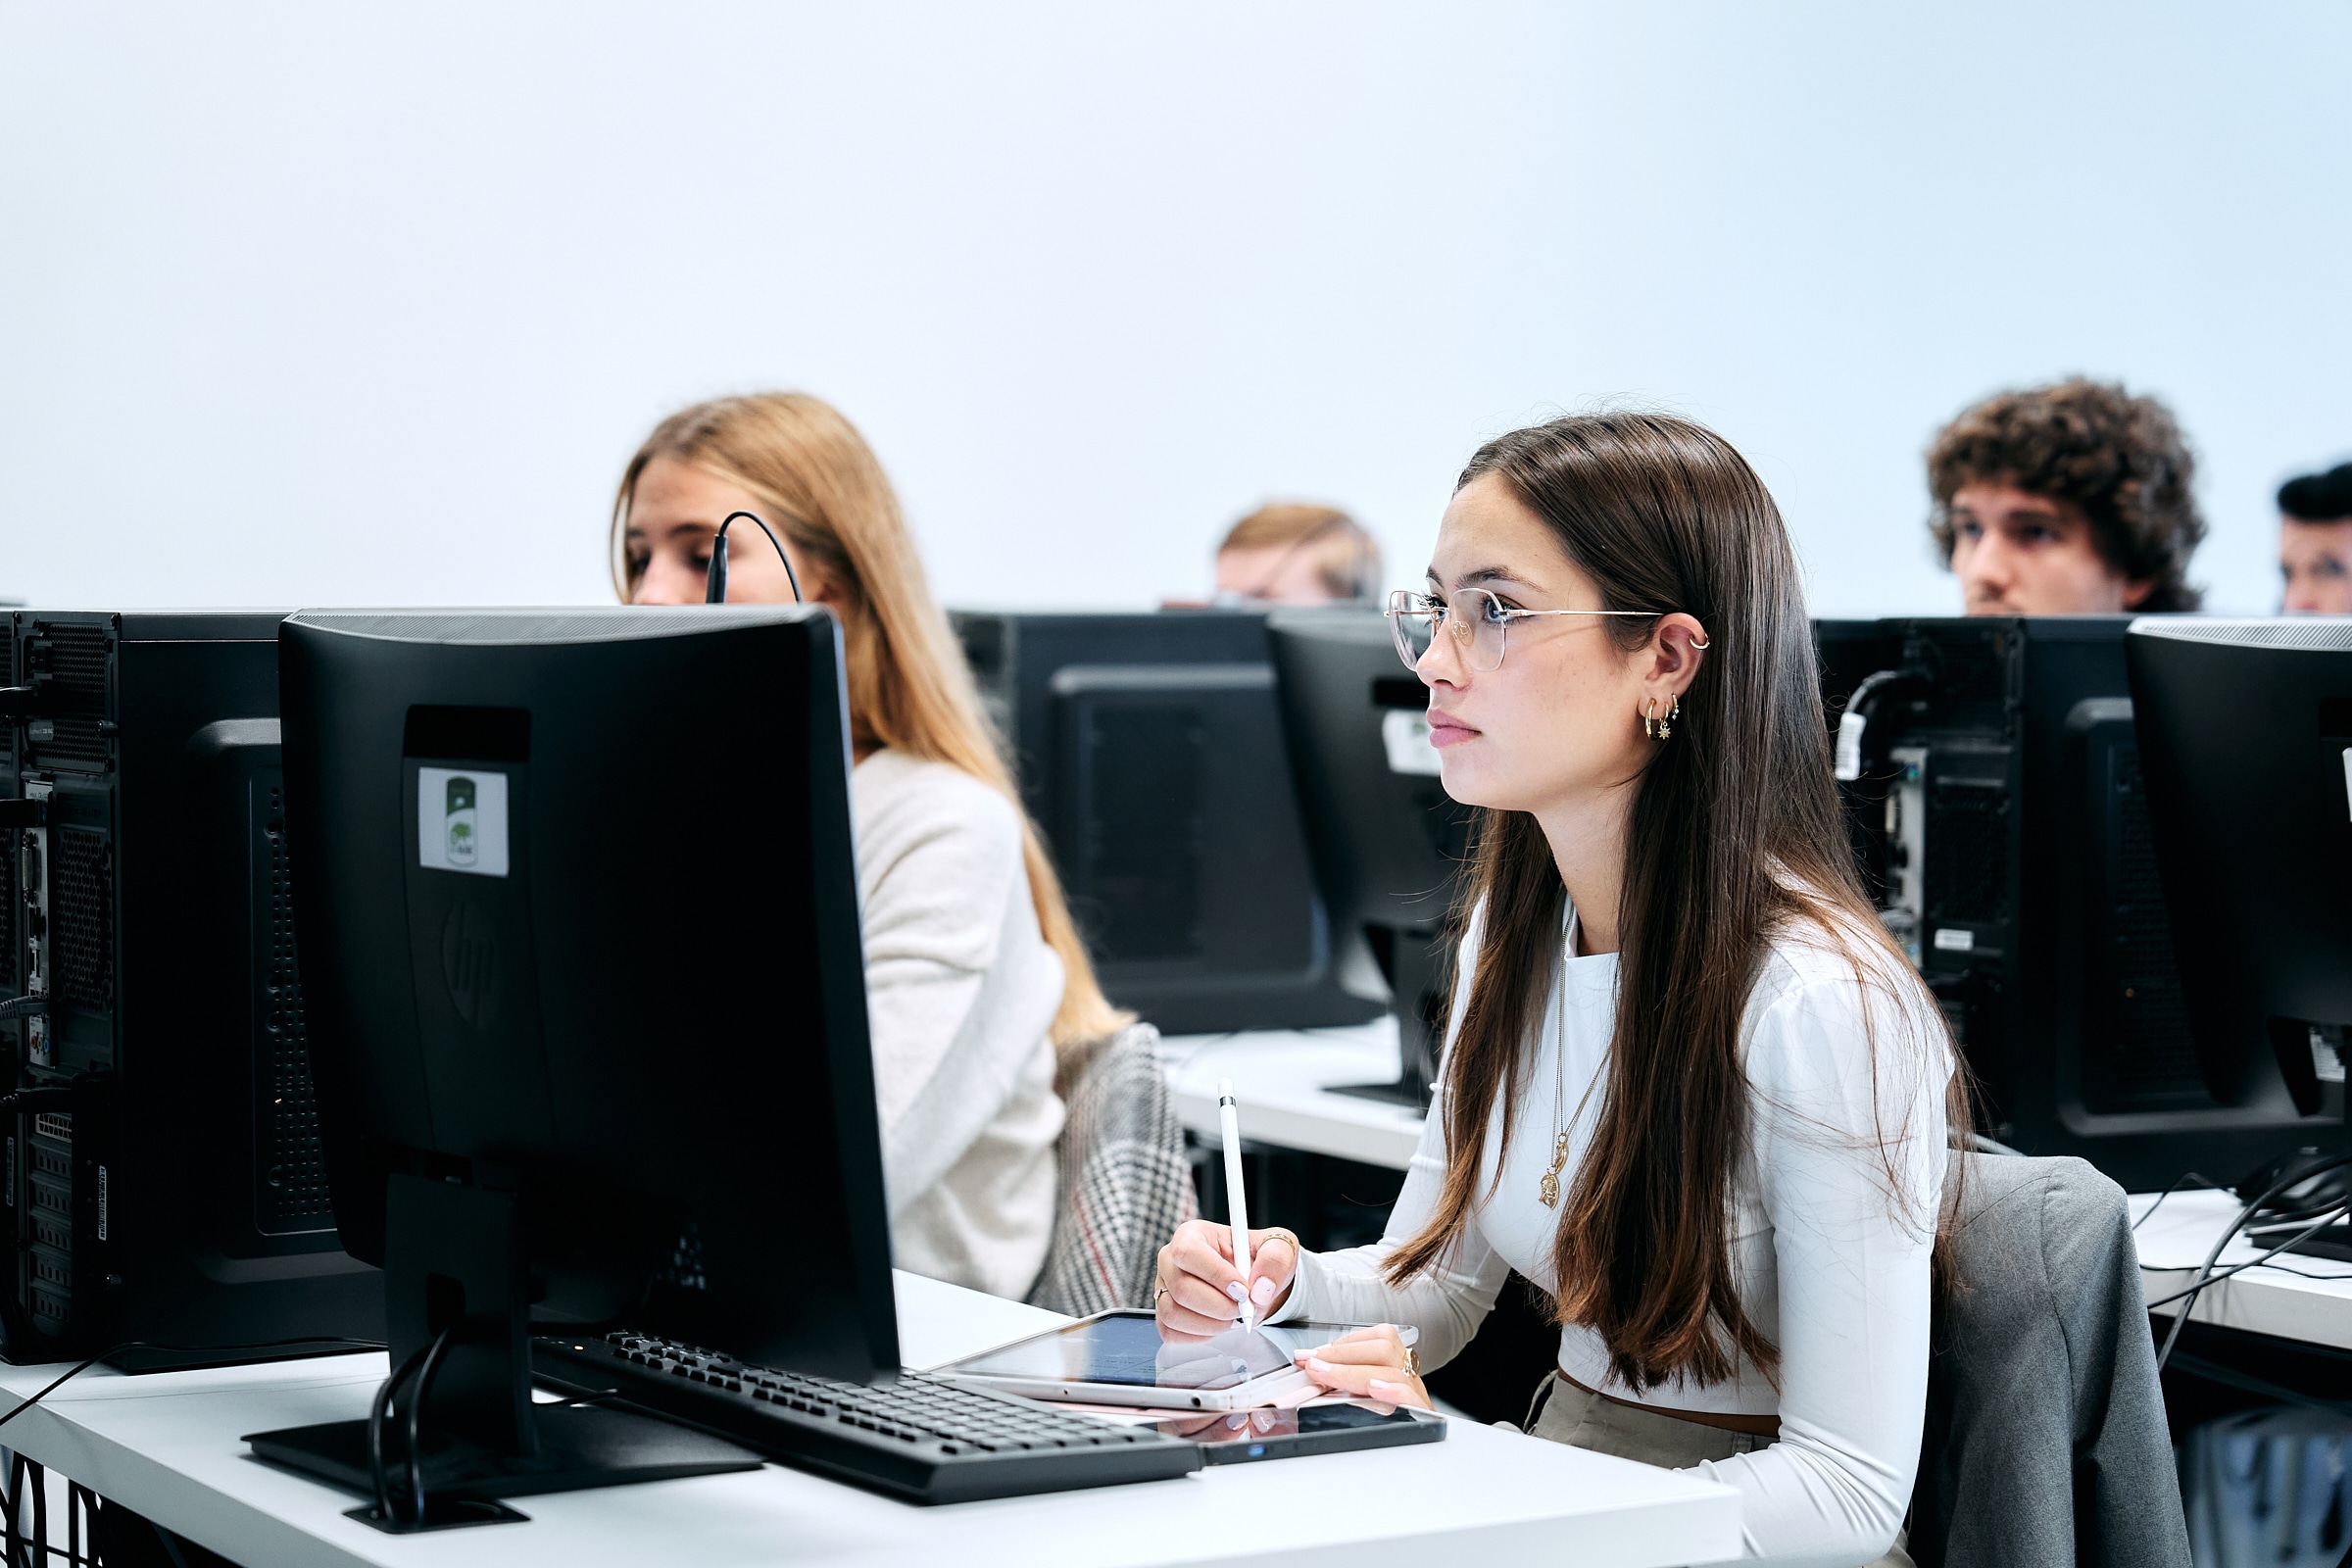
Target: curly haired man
x=2070, y=499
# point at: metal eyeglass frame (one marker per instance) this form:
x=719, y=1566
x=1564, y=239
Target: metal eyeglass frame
x=1404, y=603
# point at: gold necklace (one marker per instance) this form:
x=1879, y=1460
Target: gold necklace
x=1548, y=1192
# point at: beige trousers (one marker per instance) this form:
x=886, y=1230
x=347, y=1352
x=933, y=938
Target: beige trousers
x=1562, y=1412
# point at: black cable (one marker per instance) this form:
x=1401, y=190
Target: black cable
x=2246, y=1215
x=376, y=1412
x=190, y=1349
x=2196, y=1287
x=23, y=1008
x=2205, y=1184
x=714, y=576
x=424, y=1389
x=2220, y=1274
x=1853, y=723
x=52, y=1388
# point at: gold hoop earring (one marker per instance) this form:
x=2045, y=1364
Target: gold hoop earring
x=1649, y=718
x=1673, y=712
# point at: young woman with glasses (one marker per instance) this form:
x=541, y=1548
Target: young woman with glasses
x=1690, y=1087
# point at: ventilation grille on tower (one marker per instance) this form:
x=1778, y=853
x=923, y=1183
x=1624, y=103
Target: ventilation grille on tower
x=82, y=917
x=11, y=851
x=1967, y=852
x=68, y=663
x=2154, y=1052
x=291, y=1187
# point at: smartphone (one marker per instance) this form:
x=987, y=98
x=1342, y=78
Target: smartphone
x=1240, y=1437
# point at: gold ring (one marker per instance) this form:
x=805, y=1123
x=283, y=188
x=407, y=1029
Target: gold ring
x=1412, y=1361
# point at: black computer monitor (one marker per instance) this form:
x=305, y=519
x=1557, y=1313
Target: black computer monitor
x=578, y=920
x=1992, y=776
x=1387, y=842
x=2245, y=736
x=1148, y=751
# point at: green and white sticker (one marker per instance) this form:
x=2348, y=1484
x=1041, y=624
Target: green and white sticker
x=462, y=820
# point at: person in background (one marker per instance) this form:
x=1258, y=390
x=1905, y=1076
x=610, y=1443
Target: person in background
x=2065, y=500
x=2315, y=543
x=975, y=976
x=1288, y=554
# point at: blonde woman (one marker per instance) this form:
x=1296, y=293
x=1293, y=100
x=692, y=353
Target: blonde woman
x=975, y=976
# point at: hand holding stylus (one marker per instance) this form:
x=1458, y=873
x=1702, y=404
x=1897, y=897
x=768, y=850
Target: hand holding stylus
x=1199, y=1289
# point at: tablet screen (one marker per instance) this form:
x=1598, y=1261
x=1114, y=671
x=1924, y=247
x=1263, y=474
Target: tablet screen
x=1127, y=1350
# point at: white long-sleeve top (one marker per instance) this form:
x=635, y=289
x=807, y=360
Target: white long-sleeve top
x=1833, y=1220
x=960, y=993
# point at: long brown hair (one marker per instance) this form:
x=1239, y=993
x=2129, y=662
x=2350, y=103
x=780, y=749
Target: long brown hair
x=820, y=487
x=1734, y=837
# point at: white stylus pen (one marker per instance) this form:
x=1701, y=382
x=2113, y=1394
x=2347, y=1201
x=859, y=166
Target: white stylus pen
x=1237, y=1206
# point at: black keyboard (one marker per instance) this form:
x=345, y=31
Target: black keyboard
x=920, y=1437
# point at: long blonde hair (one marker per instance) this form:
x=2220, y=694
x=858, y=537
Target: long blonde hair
x=820, y=485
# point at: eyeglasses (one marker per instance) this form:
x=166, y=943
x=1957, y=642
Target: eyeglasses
x=1478, y=620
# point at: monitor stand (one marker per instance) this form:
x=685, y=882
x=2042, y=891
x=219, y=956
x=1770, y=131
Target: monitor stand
x=1413, y=964
x=453, y=1258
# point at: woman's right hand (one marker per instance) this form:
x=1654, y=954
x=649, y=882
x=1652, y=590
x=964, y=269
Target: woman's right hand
x=1198, y=1291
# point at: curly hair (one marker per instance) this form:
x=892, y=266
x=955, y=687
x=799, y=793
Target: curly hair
x=2121, y=459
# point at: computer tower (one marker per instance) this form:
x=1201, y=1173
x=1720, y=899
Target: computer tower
x=167, y=1187
x=1149, y=749
x=2000, y=825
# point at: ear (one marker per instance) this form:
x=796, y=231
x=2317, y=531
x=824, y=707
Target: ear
x=1670, y=660
x=2136, y=591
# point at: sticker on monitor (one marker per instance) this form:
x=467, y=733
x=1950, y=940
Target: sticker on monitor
x=462, y=820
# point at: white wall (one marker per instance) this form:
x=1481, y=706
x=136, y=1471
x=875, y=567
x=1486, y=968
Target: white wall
x=366, y=305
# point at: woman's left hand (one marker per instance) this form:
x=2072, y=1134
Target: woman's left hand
x=1369, y=1364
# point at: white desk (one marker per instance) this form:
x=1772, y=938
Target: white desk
x=166, y=1445
x=1281, y=1079
x=2307, y=1299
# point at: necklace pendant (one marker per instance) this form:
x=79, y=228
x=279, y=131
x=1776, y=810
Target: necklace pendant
x=1548, y=1193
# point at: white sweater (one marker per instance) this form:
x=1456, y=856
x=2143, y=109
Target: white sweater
x=1833, y=1220
x=961, y=992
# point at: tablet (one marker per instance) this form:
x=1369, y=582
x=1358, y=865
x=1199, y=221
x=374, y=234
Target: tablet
x=1239, y=1437
x=1119, y=1357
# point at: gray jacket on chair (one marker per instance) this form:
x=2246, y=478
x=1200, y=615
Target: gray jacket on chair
x=2045, y=1434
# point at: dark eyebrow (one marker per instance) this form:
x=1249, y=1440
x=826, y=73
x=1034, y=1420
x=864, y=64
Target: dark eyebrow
x=1481, y=576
